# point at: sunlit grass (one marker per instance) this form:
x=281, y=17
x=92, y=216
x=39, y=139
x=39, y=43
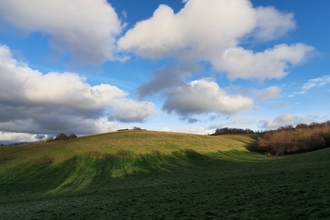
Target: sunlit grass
x=142, y=142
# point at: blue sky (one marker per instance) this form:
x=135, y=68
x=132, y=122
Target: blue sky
x=168, y=65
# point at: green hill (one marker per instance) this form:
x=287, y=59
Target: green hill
x=161, y=175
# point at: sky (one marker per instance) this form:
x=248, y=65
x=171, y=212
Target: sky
x=94, y=66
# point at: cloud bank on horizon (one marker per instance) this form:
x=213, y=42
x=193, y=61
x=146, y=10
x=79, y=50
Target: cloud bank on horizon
x=195, y=46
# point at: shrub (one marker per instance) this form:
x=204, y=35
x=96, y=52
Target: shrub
x=137, y=128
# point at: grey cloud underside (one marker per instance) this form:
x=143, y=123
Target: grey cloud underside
x=203, y=96
x=192, y=120
x=191, y=98
x=52, y=119
x=166, y=78
x=47, y=119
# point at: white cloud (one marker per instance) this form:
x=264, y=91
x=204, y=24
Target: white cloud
x=80, y=126
x=87, y=29
x=197, y=130
x=288, y=119
x=202, y=96
x=33, y=102
x=9, y=137
x=212, y=31
x=269, y=64
x=190, y=130
x=167, y=129
x=272, y=24
x=127, y=110
x=240, y=121
x=279, y=121
x=235, y=121
x=316, y=82
x=269, y=93
x=201, y=27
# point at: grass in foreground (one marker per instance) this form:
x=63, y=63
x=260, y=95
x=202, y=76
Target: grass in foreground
x=155, y=175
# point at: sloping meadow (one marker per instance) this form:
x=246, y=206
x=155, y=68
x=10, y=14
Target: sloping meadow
x=167, y=175
x=74, y=164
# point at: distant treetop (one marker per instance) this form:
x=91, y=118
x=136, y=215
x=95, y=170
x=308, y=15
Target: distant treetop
x=221, y=131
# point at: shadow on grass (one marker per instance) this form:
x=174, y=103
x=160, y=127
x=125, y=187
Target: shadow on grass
x=95, y=170
x=6, y=158
x=38, y=175
x=253, y=146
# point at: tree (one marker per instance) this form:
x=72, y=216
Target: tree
x=72, y=136
x=61, y=136
x=304, y=126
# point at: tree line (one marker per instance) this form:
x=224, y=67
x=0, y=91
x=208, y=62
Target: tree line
x=61, y=137
x=289, y=139
x=222, y=131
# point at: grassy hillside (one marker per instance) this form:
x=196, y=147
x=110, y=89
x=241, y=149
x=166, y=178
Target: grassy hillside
x=160, y=175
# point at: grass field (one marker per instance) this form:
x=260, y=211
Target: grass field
x=159, y=175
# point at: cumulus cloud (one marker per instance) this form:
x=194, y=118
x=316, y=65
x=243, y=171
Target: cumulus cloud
x=127, y=110
x=86, y=29
x=201, y=27
x=212, y=31
x=203, y=96
x=272, y=24
x=33, y=102
x=10, y=138
x=269, y=93
x=269, y=64
x=166, y=78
